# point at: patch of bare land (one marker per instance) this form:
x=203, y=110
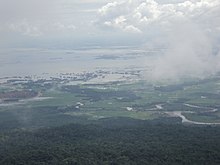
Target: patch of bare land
x=13, y=96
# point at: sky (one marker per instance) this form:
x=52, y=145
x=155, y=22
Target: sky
x=51, y=23
x=37, y=23
x=188, y=30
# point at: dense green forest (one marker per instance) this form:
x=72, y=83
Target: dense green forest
x=113, y=141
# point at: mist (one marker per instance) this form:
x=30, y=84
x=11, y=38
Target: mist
x=189, y=54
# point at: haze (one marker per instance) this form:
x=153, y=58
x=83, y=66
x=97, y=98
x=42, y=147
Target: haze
x=189, y=31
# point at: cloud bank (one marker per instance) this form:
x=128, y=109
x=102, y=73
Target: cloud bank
x=188, y=29
x=139, y=14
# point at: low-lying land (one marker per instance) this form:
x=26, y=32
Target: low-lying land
x=72, y=121
x=197, y=101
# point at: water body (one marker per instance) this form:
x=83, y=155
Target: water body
x=26, y=62
x=185, y=120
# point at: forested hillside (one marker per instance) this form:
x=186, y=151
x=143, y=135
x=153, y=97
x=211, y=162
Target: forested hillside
x=113, y=141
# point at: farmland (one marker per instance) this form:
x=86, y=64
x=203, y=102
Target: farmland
x=197, y=100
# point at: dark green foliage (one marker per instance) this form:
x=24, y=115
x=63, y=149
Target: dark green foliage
x=37, y=117
x=113, y=141
x=208, y=95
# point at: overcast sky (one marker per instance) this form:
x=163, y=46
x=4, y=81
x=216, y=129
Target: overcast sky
x=67, y=23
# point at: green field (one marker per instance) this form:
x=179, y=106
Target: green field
x=138, y=100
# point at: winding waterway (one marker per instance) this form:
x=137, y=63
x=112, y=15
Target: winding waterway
x=185, y=120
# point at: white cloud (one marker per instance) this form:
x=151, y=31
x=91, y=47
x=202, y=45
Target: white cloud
x=120, y=23
x=189, y=55
x=132, y=29
x=140, y=13
x=25, y=28
x=105, y=9
x=64, y=27
x=38, y=29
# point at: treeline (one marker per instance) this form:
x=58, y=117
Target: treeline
x=113, y=141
